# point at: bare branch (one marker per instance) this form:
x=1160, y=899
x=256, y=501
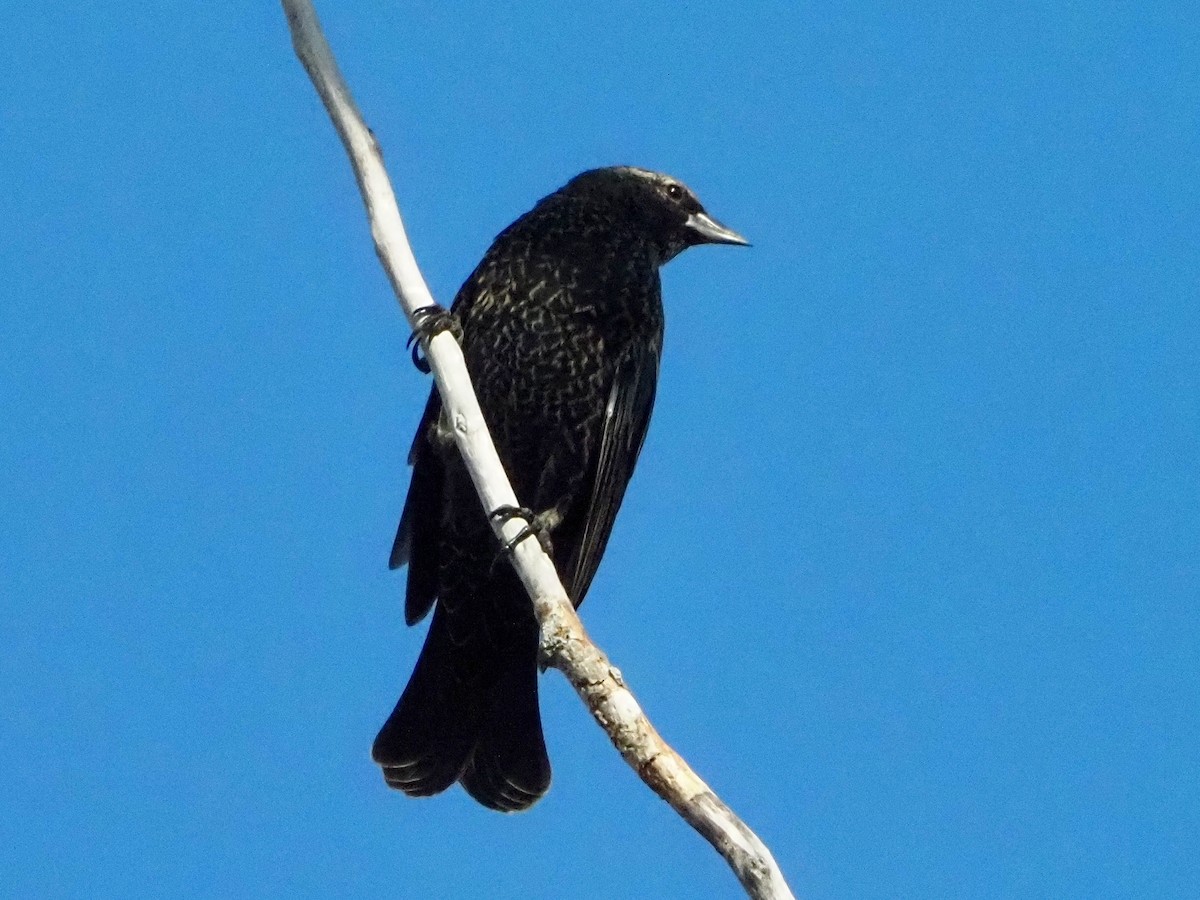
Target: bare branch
x=565, y=643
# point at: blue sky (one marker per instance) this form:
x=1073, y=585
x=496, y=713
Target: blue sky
x=909, y=567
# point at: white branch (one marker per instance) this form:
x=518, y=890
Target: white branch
x=565, y=644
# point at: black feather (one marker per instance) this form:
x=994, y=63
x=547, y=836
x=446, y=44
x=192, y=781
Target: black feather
x=626, y=419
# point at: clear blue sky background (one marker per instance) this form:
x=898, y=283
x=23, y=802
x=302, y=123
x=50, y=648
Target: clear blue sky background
x=908, y=570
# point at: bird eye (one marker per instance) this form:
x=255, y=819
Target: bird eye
x=675, y=192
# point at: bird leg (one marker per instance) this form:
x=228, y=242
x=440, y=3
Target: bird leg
x=539, y=524
x=427, y=322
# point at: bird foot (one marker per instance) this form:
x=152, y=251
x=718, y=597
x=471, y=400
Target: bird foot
x=536, y=524
x=427, y=322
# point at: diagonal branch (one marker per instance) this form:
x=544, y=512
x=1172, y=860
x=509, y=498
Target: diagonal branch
x=565, y=644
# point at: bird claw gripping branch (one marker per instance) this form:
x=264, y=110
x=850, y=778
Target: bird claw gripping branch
x=535, y=525
x=427, y=322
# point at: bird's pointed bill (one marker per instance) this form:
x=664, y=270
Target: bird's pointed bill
x=713, y=232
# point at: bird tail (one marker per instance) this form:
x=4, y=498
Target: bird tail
x=509, y=769
x=469, y=713
x=424, y=745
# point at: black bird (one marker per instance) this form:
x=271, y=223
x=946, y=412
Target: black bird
x=561, y=325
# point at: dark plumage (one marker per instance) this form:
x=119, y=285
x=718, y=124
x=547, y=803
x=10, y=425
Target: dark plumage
x=562, y=327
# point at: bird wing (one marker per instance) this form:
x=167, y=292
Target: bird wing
x=626, y=418
x=419, y=535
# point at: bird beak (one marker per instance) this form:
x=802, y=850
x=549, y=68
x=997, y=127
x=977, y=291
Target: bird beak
x=713, y=232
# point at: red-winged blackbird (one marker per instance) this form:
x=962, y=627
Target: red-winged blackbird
x=561, y=326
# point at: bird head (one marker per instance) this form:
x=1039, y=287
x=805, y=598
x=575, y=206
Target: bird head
x=663, y=208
